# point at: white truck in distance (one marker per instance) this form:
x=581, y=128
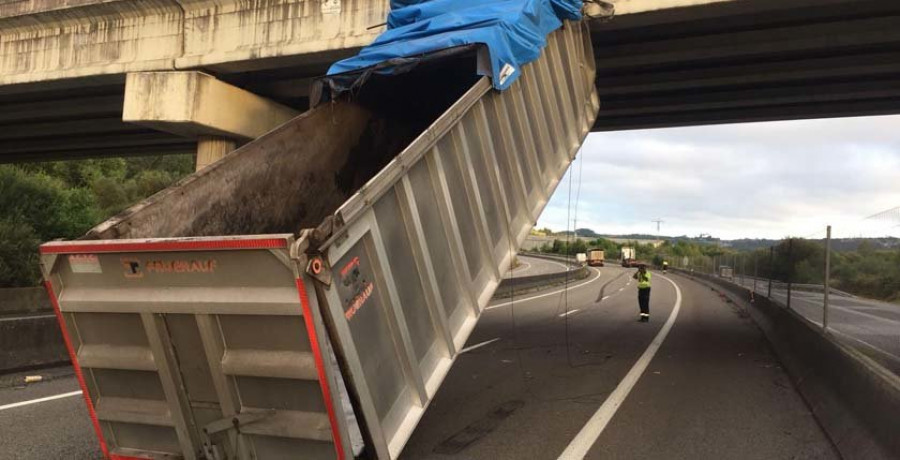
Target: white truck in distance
x=596, y=257
x=628, y=256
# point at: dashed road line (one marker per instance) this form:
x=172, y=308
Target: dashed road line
x=478, y=345
x=40, y=400
x=591, y=431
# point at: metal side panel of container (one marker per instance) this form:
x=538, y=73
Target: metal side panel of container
x=198, y=348
x=420, y=249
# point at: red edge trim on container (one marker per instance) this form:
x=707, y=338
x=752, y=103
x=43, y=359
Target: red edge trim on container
x=84, y=390
x=80, y=248
x=320, y=368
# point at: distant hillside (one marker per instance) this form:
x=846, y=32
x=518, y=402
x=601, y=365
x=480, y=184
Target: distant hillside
x=743, y=244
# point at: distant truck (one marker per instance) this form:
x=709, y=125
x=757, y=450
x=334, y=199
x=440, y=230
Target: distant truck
x=581, y=258
x=595, y=257
x=628, y=257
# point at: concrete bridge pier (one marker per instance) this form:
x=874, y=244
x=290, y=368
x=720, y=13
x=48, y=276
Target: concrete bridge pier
x=211, y=149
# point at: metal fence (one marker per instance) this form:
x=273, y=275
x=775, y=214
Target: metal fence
x=846, y=286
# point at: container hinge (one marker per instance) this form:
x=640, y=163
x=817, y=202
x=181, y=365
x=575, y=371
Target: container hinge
x=217, y=428
x=315, y=262
x=317, y=267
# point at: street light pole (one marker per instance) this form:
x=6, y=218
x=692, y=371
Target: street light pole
x=755, y=269
x=790, y=275
x=827, y=278
x=771, y=267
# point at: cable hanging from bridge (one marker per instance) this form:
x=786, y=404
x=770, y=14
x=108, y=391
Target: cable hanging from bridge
x=523, y=374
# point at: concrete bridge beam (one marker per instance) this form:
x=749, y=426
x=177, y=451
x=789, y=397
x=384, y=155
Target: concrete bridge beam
x=197, y=106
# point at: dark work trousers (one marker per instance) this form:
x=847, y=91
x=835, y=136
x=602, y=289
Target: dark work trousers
x=644, y=300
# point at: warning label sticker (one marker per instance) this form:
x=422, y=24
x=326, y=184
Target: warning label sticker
x=355, y=287
x=85, y=263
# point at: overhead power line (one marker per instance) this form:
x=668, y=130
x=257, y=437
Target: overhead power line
x=890, y=215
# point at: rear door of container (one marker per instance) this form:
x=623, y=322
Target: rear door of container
x=192, y=348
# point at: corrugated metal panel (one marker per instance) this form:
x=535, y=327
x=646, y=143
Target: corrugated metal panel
x=421, y=248
x=201, y=351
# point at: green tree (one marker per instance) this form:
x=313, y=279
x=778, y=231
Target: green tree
x=46, y=201
x=18, y=255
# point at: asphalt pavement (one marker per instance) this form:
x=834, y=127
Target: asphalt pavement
x=551, y=360
x=539, y=368
x=45, y=429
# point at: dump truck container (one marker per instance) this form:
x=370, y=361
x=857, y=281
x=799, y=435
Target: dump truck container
x=305, y=296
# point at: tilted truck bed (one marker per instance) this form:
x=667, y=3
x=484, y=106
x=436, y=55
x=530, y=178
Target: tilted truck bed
x=223, y=317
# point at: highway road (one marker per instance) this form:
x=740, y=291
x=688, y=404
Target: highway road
x=531, y=266
x=542, y=368
x=550, y=371
x=34, y=428
x=871, y=326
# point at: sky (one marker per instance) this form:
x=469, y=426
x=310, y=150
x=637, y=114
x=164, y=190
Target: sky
x=751, y=180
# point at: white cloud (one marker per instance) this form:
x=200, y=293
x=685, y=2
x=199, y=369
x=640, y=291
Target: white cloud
x=751, y=180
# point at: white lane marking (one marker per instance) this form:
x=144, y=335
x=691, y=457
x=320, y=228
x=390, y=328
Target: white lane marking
x=605, y=297
x=18, y=318
x=588, y=435
x=621, y=289
x=526, y=299
x=478, y=345
x=887, y=354
x=40, y=400
x=569, y=312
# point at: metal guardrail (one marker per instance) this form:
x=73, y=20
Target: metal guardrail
x=797, y=286
x=564, y=259
x=523, y=284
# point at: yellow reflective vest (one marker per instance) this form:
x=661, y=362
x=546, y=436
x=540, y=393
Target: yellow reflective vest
x=643, y=280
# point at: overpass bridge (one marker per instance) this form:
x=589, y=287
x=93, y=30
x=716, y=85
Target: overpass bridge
x=458, y=200
x=91, y=78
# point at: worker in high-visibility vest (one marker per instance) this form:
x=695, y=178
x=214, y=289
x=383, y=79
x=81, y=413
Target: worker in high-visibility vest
x=643, y=278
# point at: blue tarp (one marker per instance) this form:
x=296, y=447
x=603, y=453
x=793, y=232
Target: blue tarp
x=514, y=32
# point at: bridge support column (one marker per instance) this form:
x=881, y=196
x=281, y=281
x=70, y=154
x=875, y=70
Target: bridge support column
x=211, y=149
x=196, y=105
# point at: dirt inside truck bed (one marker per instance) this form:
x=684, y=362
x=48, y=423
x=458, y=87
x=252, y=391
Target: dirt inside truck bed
x=300, y=173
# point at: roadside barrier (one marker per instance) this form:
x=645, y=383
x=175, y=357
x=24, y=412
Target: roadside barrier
x=856, y=400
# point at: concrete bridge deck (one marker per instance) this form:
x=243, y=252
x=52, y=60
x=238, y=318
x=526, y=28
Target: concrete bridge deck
x=64, y=64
